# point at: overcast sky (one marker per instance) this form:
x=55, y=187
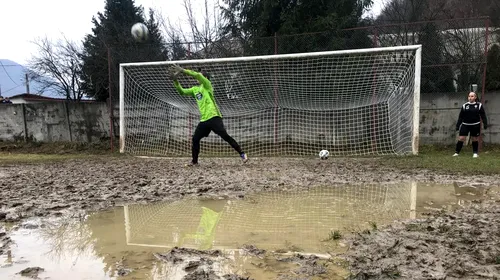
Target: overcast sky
x=25, y=20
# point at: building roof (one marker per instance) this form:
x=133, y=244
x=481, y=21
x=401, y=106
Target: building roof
x=35, y=97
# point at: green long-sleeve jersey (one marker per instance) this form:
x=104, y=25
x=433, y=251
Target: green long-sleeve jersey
x=204, y=95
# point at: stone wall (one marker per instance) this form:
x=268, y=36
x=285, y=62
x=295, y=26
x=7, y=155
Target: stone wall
x=89, y=122
x=54, y=121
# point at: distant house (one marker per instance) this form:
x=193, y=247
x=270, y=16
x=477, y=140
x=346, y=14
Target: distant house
x=33, y=98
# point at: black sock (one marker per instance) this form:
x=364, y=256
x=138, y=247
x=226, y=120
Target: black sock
x=195, y=150
x=475, y=147
x=459, y=146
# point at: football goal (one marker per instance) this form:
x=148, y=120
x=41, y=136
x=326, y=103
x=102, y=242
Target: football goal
x=350, y=102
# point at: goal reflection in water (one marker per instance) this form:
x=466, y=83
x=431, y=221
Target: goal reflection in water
x=284, y=220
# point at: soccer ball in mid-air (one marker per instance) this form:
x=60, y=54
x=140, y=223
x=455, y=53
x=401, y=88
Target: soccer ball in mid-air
x=323, y=154
x=139, y=32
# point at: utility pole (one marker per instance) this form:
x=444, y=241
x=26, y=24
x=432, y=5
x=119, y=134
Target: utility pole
x=27, y=83
x=110, y=100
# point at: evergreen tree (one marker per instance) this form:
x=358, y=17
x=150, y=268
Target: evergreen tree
x=493, y=69
x=178, y=49
x=254, y=19
x=434, y=79
x=111, y=41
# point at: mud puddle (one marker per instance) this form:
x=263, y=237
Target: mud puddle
x=269, y=235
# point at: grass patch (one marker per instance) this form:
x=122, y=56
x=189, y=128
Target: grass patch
x=37, y=152
x=6, y=158
x=439, y=159
x=436, y=158
x=102, y=147
x=333, y=235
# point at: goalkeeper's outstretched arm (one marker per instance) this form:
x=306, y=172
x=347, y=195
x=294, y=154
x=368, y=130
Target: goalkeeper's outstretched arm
x=200, y=77
x=197, y=75
x=181, y=90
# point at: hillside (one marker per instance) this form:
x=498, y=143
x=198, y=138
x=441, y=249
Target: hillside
x=12, y=80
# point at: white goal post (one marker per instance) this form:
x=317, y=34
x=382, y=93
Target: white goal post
x=268, y=220
x=350, y=102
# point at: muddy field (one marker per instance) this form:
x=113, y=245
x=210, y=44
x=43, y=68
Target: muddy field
x=459, y=245
x=426, y=249
x=73, y=185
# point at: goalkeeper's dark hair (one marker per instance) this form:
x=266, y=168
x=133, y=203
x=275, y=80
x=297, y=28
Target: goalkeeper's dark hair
x=205, y=73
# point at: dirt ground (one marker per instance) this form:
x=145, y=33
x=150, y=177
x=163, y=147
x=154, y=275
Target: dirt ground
x=199, y=265
x=461, y=245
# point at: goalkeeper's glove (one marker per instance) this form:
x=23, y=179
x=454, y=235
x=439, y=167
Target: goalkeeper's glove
x=172, y=76
x=176, y=70
x=485, y=126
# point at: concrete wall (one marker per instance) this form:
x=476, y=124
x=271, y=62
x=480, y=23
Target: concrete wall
x=88, y=122
x=11, y=122
x=58, y=121
x=439, y=113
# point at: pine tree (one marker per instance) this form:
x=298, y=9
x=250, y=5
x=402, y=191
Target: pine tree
x=493, y=68
x=262, y=18
x=178, y=50
x=434, y=79
x=111, y=41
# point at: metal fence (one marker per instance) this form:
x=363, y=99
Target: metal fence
x=454, y=55
x=453, y=58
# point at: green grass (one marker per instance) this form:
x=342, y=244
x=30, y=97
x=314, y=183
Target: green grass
x=33, y=152
x=56, y=147
x=439, y=159
x=9, y=159
x=333, y=235
x=435, y=158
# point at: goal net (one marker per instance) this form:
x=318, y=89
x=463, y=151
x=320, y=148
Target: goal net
x=271, y=220
x=350, y=102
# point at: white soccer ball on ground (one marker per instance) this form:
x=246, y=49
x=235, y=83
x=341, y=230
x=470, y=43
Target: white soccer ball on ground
x=139, y=32
x=323, y=154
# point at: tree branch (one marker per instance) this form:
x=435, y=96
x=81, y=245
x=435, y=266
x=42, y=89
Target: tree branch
x=57, y=66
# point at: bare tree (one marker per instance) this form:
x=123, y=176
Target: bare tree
x=472, y=9
x=398, y=16
x=58, y=66
x=466, y=38
x=458, y=39
x=204, y=35
x=397, y=11
x=177, y=40
x=465, y=47
x=207, y=32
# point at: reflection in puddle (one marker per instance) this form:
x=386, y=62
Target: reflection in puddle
x=119, y=243
x=271, y=221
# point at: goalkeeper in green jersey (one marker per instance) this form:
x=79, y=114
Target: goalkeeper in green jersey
x=211, y=117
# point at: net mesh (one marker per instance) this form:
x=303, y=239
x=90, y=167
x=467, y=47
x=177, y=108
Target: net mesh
x=356, y=103
x=272, y=220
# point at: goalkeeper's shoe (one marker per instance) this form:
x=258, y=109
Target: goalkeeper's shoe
x=192, y=164
x=244, y=157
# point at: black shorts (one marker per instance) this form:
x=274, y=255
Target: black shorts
x=214, y=124
x=474, y=130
